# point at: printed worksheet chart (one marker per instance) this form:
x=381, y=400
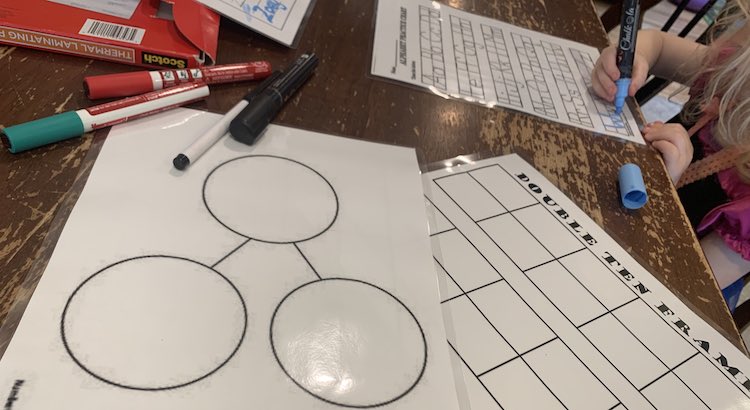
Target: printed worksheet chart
x=277, y=19
x=458, y=54
x=543, y=310
x=118, y=8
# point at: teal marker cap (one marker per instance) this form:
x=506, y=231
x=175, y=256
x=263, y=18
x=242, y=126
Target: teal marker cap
x=43, y=131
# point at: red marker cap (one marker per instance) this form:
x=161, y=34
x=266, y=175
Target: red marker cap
x=118, y=85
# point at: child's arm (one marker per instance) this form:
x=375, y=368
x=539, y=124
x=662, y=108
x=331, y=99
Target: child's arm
x=658, y=53
x=669, y=56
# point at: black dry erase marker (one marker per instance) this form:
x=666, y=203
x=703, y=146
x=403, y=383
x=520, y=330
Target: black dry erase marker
x=253, y=119
x=210, y=137
x=626, y=50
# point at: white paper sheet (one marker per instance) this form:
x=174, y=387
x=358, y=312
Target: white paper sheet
x=293, y=274
x=458, y=54
x=277, y=19
x=118, y=8
x=544, y=310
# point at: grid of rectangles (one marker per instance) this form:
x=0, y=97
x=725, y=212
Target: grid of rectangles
x=509, y=355
x=501, y=68
x=431, y=46
x=469, y=75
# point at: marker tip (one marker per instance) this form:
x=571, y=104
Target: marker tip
x=181, y=161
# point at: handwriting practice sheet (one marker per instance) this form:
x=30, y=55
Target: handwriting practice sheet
x=544, y=310
x=292, y=274
x=277, y=19
x=462, y=55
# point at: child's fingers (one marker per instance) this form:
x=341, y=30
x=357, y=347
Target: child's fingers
x=608, y=61
x=638, y=76
x=605, y=73
x=673, y=142
x=673, y=133
x=650, y=127
x=672, y=159
x=603, y=86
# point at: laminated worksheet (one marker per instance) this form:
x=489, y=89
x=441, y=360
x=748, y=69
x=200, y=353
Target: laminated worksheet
x=277, y=19
x=462, y=55
x=118, y=8
x=544, y=310
x=292, y=274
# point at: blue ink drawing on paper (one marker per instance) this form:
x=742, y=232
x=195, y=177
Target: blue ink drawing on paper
x=267, y=10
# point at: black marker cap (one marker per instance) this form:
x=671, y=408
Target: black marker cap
x=247, y=126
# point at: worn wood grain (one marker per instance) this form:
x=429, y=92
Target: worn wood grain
x=342, y=98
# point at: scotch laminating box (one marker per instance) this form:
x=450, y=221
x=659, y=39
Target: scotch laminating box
x=152, y=33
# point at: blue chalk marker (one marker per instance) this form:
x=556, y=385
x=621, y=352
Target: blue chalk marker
x=626, y=50
x=632, y=189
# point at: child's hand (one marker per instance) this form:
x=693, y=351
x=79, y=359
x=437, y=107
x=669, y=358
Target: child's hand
x=606, y=73
x=673, y=142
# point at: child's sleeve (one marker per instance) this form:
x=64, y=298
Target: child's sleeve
x=731, y=221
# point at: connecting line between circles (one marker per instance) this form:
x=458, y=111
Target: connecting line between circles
x=306, y=260
x=230, y=253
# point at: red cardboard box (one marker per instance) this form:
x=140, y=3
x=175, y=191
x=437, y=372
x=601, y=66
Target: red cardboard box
x=149, y=38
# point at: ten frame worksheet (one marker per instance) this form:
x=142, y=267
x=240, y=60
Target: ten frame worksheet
x=544, y=310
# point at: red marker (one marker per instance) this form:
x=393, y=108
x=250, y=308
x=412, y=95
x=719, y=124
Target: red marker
x=139, y=82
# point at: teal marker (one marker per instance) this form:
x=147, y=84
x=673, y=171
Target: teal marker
x=73, y=124
x=44, y=131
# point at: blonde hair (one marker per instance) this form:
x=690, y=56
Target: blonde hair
x=728, y=80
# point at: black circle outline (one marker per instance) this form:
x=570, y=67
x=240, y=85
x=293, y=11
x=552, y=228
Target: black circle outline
x=87, y=370
x=208, y=208
x=356, y=406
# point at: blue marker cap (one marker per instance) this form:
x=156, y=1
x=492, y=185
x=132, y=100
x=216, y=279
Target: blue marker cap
x=632, y=189
x=622, y=92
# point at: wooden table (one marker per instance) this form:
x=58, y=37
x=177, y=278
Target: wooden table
x=40, y=187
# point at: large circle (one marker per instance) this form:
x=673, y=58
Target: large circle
x=348, y=342
x=270, y=199
x=153, y=323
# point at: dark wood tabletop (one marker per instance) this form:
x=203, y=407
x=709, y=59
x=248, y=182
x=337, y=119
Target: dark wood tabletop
x=40, y=186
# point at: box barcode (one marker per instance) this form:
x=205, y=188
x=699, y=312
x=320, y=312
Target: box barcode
x=112, y=31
